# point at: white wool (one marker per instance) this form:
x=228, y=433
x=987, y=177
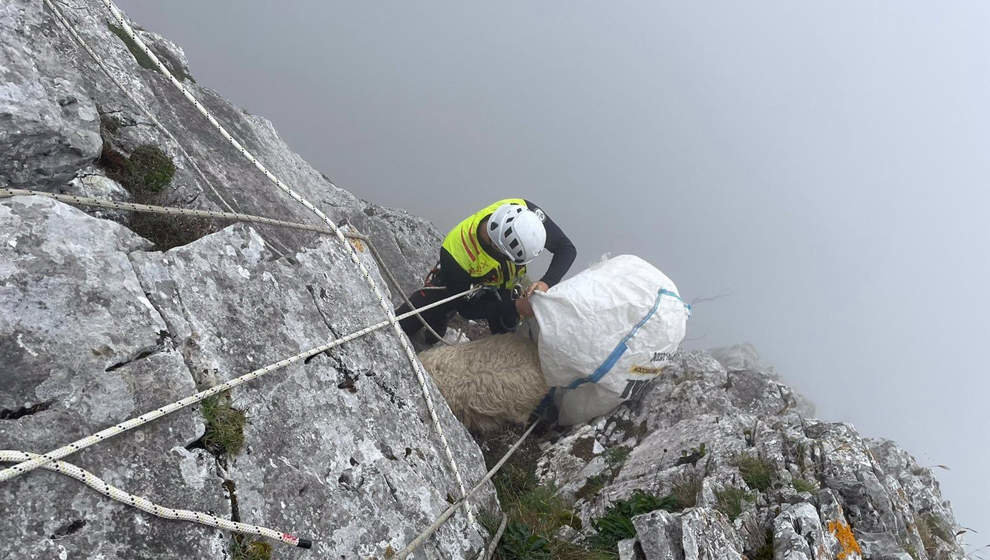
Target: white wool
x=488, y=382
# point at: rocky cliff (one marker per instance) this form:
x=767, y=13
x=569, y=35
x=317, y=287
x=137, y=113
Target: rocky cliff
x=744, y=471
x=106, y=315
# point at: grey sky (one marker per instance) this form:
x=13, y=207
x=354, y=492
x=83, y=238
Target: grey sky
x=825, y=164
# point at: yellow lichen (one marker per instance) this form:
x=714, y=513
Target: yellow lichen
x=847, y=542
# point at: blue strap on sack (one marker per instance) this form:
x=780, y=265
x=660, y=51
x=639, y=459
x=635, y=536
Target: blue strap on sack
x=623, y=344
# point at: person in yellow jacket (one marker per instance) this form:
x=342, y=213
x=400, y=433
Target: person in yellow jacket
x=492, y=247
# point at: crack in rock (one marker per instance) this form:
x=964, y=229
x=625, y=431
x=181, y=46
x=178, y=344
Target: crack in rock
x=68, y=529
x=148, y=351
x=14, y=414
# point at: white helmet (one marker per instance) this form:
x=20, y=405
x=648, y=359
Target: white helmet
x=517, y=232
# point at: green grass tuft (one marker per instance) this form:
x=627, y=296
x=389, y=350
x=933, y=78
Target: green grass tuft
x=253, y=550
x=756, y=471
x=802, y=485
x=224, y=434
x=149, y=168
x=616, y=457
x=730, y=501
x=520, y=543
x=535, y=513
x=616, y=524
x=146, y=172
x=685, y=491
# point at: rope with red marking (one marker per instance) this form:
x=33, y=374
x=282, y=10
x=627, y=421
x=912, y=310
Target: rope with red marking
x=101, y=486
x=78, y=445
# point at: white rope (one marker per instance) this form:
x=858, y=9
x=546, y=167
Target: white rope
x=405, y=298
x=147, y=112
x=167, y=210
x=213, y=214
x=78, y=445
x=96, y=483
x=25, y=466
x=489, y=552
x=383, y=302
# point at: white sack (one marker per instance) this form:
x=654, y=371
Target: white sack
x=622, y=318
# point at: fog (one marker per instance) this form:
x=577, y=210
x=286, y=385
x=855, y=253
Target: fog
x=822, y=168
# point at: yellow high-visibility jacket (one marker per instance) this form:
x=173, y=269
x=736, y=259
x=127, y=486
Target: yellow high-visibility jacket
x=465, y=248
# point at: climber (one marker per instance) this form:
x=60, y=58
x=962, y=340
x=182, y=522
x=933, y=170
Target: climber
x=491, y=247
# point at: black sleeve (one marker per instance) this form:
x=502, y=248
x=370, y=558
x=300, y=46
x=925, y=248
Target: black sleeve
x=557, y=243
x=455, y=278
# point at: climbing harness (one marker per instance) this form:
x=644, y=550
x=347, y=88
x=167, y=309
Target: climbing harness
x=94, y=482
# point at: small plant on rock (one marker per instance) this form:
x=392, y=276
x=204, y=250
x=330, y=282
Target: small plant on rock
x=242, y=549
x=616, y=524
x=149, y=168
x=519, y=543
x=756, y=471
x=616, y=457
x=224, y=435
x=147, y=171
x=730, y=501
x=692, y=457
x=685, y=491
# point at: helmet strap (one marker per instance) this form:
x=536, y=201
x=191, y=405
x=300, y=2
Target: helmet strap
x=486, y=240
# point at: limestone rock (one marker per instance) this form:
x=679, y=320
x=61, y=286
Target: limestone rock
x=83, y=349
x=798, y=534
x=740, y=444
x=93, y=183
x=698, y=534
x=50, y=116
x=96, y=329
x=340, y=445
x=49, y=126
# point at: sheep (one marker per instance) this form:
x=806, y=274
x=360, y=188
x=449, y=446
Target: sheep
x=488, y=382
